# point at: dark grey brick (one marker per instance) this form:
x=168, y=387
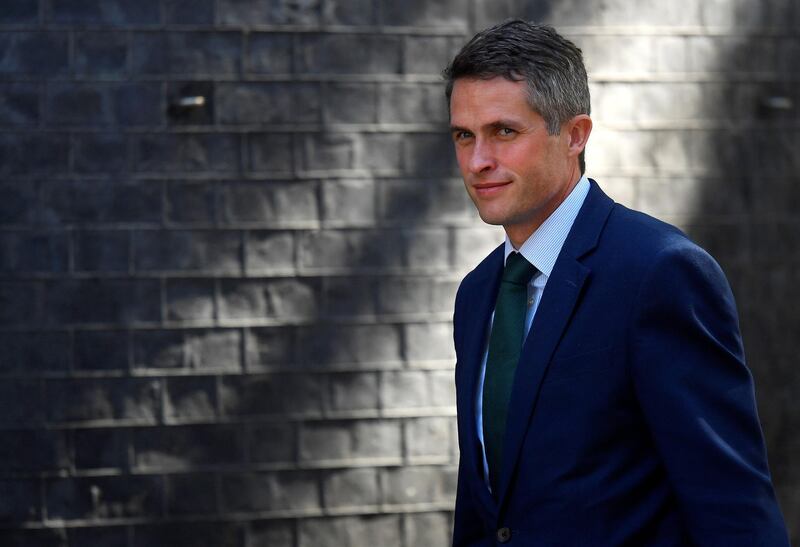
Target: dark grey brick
x=354, y=391
x=431, y=200
x=270, y=152
x=19, y=302
x=428, y=437
x=19, y=104
x=269, y=53
x=381, y=152
x=88, y=201
x=34, y=451
x=430, y=154
x=33, y=537
x=97, y=104
x=269, y=202
x=191, y=494
x=36, y=53
x=350, y=488
x=349, y=296
x=285, y=299
x=101, y=350
x=427, y=529
x=30, y=252
x=196, y=348
x=33, y=153
x=281, y=491
x=196, y=534
x=270, y=347
x=412, y=103
x=107, y=536
x=273, y=394
x=19, y=12
x=330, y=442
x=102, y=251
x=370, y=346
x=191, y=397
x=179, y=447
x=138, y=104
x=429, y=54
x=189, y=12
x=174, y=53
x=347, y=54
x=421, y=13
x=34, y=352
x=271, y=443
x=350, y=103
x=349, y=202
x=103, y=399
x=193, y=202
x=101, y=448
x=18, y=202
x=184, y=250
x=114, y=12
x=19, y=500
x=159, y=349
x=21, y=402
x=269, y=252
x=104, y=497
x=102, y=301
x=101, y=53
x=351, y=249
x=100, y=153
x=190, y=299
x=254, y=103
x=324, y=151
x=270, y=12
x=357, y=530
x=349, y=12
x=410, y=485
x=271, y=532
x=173, y=153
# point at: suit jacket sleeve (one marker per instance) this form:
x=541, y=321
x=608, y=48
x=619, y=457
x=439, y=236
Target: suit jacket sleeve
x=697, y=395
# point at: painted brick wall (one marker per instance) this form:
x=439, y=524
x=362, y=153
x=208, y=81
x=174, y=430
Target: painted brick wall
x=230, y=325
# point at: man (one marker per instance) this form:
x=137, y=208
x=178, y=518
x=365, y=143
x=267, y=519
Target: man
x=602, y=394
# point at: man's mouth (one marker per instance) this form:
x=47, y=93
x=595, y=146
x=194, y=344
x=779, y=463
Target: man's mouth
x=487, y=189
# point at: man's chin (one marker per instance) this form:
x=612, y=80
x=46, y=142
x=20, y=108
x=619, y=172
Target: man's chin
x=495, y=219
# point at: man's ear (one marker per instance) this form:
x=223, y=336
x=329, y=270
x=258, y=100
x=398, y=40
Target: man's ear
x=578, y=130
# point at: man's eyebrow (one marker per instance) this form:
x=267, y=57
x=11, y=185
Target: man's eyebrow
x=497, y=124
x=505, y=122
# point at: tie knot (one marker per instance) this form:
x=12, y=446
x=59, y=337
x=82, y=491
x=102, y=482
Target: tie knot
x=518, y=270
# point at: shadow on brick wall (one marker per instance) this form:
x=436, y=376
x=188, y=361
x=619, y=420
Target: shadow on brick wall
x=748, y=211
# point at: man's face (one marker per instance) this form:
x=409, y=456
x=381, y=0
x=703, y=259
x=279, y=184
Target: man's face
x=515, y=173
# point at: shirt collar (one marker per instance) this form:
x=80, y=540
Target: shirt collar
x=544, y=245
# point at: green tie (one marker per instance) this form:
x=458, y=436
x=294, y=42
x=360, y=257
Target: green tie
x=505, y=345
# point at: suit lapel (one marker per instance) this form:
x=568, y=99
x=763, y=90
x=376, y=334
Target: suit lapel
x=561, y=296
x=481, y=300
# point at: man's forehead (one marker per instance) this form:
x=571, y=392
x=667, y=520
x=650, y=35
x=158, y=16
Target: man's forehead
x=487, y=101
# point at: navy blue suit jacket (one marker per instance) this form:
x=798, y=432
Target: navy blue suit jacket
x=632, y=420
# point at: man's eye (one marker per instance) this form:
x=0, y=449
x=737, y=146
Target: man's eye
x=506, y=131
x=461, y=135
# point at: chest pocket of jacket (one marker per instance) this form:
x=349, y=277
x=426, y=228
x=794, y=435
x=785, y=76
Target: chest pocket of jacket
x=587, y=363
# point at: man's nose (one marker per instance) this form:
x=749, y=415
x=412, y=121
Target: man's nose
x=482, y=158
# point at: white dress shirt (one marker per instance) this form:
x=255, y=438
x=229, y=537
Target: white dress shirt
x=541, y=249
